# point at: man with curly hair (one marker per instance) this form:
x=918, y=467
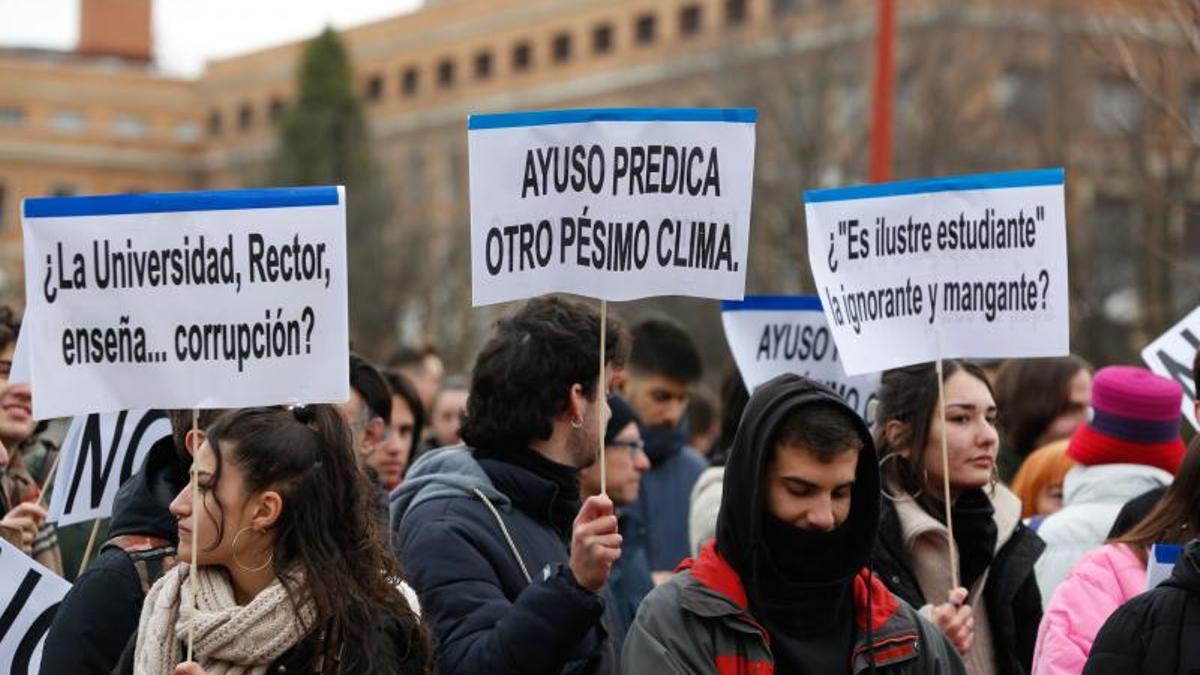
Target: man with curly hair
x=509, y=567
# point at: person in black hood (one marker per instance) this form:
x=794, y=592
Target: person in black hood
x=786, y=587
x=101, y=611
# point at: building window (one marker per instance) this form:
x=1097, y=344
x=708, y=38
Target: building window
x=644, y=29
x=445, y=73
x=458, y=173
x=689, y=20
x=1116, y=106
x=1021, y=97
x=735, y=12
x=11, y=116
x=414, y=178
x=562, y=47
x=375, y=88
x=483, y=65
x=602, y=39
x=410, y=80
x=215, y=123
x=275, y=110
x=522, y=56
x=1191, y=111
x=187, y=132
x=784, y=7
x=68, y=121
x=1191, y=233
x=130, y=126
x=245, y=117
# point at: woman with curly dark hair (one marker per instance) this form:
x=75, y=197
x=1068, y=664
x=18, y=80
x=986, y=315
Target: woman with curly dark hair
x=291, y=575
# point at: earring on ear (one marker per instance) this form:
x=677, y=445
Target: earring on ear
x=577, y=422
x=233, y=548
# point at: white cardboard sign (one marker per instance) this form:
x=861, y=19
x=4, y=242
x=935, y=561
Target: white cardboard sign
x=186, y=300
x=1172, y=355
x=99, y=453
x=29, y=597
x=978, y=263
x=613, y=203
x=770, y=335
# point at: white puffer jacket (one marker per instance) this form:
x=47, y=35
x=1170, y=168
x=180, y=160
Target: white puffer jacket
x=1092, y=498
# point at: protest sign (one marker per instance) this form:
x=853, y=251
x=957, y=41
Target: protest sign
x=1161, y=563
x=977, y=263
x=29, y=595
x=1172, y=355
x=613, y=204
x=770, y=335
x=100, y=452
x=186, y=300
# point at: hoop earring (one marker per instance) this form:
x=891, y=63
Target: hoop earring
x=233, y=546
x=883, y=483
x=577, y=423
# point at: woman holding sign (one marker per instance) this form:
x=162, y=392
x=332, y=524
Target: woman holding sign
x=291, y=575
x=993, y=613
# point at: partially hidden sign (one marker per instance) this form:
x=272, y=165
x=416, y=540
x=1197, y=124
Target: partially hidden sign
x=975, y=263
x=100, y=452
x=615, y=204
x=770, y=335
x=29, y=598
x=186, y=300
x=1172, y=356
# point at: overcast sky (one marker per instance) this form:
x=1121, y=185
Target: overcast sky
x=188, y=32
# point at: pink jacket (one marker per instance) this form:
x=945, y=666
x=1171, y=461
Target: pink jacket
x=1098, y=584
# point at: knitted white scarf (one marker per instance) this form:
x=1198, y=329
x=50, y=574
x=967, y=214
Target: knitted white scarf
x=230, y=639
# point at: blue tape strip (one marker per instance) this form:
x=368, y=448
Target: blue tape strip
x=166, y=202
x=981, y=181
x=776, y=303
x=1167, y=554
x=545, y=117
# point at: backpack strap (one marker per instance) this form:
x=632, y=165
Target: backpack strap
x=152, y=557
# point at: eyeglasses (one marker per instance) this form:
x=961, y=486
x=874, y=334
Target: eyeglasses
x=634, y=447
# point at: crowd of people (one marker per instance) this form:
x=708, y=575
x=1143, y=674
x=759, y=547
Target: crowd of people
x=437, y=523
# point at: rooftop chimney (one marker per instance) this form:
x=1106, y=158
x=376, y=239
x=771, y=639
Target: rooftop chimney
x=116, y=28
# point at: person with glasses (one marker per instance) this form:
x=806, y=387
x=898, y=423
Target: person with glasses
x=367, y=413
x=625, y=462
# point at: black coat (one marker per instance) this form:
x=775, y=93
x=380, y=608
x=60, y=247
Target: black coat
x=101, y=610
x=1014, y=604
x=1155, y=633
x=485, y=615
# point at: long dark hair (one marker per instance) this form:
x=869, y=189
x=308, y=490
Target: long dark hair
x=1032, y=392
x=1175, y=519
x=327, y=534
x=910, y=395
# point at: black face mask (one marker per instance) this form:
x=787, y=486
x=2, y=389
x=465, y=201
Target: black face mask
x=662, y=442
x=803, y=578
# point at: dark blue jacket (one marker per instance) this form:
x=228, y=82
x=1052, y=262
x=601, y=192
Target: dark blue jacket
x=663, y=504
x=494, y=607
x=630, y=580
